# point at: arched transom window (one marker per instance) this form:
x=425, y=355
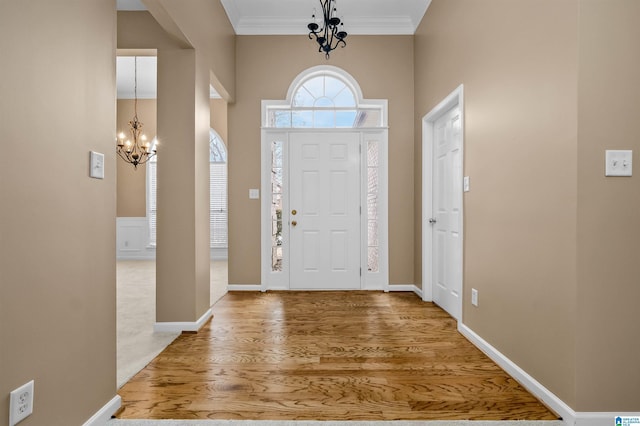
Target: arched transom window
x=217, y=151
x=323, y=99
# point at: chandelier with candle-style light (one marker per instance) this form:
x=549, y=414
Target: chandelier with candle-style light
x=137, y=150
x=332, y=34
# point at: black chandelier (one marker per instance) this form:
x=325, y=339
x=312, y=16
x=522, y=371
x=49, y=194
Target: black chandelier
x=332, y=33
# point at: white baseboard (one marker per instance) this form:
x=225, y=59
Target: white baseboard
x=104, y=414
x=178, y=327
x=417, y=291
x=405, y=287
x=599, y=419
x=531, y=384
x=244, y=287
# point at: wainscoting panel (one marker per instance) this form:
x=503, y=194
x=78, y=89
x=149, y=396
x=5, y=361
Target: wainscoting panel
x=132, y=239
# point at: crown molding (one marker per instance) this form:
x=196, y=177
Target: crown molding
x=232, y=12
x=388, y=25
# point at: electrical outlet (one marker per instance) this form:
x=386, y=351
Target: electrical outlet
x=21, y=403
x=474, y=297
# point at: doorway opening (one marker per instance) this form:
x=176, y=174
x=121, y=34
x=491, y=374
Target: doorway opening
x=324, y=186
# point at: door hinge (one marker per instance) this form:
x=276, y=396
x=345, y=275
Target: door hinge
x=361, y=271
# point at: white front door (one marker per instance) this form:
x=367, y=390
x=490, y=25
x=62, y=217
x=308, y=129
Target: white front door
x=324, y=212
x=446, y=218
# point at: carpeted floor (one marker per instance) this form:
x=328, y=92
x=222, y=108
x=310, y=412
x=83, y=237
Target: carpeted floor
x=137, y=343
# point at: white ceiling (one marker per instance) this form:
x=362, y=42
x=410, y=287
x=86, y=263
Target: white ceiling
x=281, y=17
x=363, y=17
x=130, y=5
x=147, y=76
x=368, y=17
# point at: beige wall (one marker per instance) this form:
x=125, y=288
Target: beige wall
x=182, y=274
x=57, y=256
x=131, y=200
x=266, y=66
x=520, y=152
x=196, y=48
x=219, y=119
x=204, y=25
x=139, y=30
x=131, y=182
x=608, y=335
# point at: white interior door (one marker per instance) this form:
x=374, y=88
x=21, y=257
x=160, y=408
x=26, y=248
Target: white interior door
x=324, y=206
x=446, y=218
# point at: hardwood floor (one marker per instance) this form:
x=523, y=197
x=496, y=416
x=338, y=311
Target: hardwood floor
x=326, y=356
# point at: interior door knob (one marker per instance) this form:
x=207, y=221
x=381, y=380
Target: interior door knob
x=432, y=220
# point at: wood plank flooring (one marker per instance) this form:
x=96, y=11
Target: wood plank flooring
x=326, y=356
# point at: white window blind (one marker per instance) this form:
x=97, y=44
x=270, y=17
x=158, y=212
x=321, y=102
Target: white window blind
x=218, y=216
x=152, y=205
x=218, y=205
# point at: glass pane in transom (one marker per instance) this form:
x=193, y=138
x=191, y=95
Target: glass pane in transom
x=315, y=86
x=333, y=86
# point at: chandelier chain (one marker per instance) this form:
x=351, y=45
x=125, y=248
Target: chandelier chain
x=135, y=88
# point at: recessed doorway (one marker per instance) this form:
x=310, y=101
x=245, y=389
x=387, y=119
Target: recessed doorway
x=324, y=186
x=442, y=210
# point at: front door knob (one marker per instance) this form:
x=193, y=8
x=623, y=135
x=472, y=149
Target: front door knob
x=294, y=223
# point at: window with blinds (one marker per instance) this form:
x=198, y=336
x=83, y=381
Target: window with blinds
x=218, y=212
x=218, y=216
x=152, y=205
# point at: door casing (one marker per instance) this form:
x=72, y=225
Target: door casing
x=271, y=280
x=455, y=98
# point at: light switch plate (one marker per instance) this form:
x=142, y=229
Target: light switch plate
x=96, y=165
x=474, y=297
x=254, y=194
x=618, y=162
